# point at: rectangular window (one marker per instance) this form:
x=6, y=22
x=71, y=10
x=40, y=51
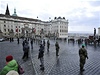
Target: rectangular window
x=5, y=30
x=8, y=30
x=4, y=25
x=4, y=21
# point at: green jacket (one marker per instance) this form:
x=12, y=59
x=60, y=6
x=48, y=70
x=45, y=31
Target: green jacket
x=12, y=65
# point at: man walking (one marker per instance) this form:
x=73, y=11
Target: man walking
x=83, y=55
x=48, y=44
x=44, y=42
x=26, y=50
x=40, y=56
x=31, y=43
x=18, y=40
x=57, y=48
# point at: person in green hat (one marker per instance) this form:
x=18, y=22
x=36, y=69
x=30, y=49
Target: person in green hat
x=83, y=55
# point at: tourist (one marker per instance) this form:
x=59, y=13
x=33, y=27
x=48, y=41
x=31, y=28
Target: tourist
x=11, y=64
x=40, y=56
x=31, y=43
x=57, y=48
x=12, y=72
x=26, y=51
x=44, y=42
x=48, y=44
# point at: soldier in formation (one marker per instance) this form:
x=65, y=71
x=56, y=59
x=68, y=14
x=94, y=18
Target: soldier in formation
x=83, y=55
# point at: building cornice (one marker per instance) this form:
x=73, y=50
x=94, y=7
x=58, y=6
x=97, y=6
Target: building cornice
x=20, y=18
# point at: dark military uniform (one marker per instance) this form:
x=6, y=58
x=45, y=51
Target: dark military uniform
x=83, y=55
x=57, y=48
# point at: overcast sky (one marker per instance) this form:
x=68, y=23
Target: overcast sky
x=83, y=15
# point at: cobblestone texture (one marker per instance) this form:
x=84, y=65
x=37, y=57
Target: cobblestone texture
x=67, y=62
x=7, y=48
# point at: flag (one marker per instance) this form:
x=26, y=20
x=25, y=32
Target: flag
x=33, y=30
x=16, y=29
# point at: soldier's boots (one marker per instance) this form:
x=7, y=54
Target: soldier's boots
x=82, y=70
x=42, y=68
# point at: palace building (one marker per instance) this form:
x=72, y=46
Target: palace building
x=16, y=26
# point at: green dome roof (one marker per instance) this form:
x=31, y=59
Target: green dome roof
x=14, y=13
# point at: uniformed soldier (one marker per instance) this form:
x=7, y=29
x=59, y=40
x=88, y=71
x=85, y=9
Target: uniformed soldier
x=57, y=48
x=83, y=55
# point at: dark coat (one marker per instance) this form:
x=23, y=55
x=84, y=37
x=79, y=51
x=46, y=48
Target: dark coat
x=26, y=48
x=41, y=52
x=57, y=46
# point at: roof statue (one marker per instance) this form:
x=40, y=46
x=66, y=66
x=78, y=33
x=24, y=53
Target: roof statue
x=14, y=12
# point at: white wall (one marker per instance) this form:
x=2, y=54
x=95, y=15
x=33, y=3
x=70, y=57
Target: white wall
x=99, y=31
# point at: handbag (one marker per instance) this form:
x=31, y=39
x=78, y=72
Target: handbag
x=20, y=69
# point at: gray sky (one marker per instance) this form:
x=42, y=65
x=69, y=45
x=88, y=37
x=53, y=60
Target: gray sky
x=83, y=15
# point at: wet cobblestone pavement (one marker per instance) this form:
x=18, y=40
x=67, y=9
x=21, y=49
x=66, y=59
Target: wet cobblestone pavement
x=7, y=48
x=67, y=63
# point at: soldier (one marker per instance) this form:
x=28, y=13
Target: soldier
x=83, y=55
x=48, y=44
x=57, y=48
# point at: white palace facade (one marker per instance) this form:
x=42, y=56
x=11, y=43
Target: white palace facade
x=13, y=25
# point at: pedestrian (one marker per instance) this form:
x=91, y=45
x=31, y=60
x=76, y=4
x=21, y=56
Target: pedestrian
x=83, y=55
x=10, y=39
x=26, y=51
x=11, y=64
x=31, y=43
x=44, y=42
x=57, y=48
x=48, y=44
x=12, y=72
x=41, y=57
x=24, y=42
x=18, y=40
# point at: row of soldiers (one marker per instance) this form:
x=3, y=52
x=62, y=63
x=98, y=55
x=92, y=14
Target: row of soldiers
x=41, y=52
x=82, y=53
